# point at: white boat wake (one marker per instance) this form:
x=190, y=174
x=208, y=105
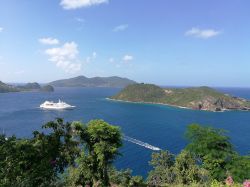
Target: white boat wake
x=143, y=144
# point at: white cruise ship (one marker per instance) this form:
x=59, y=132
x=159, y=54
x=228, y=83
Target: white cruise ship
x=56, y=106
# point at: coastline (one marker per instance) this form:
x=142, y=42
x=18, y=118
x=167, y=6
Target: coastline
x=175, y=106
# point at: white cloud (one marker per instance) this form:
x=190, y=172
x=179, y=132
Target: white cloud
x=124, y=62
x=127, y=58
x=49, y=41
x=1, y=29
x=91, y=58
x=120, y=28
x=205, y=33
x=65, y=57
x=74, y=4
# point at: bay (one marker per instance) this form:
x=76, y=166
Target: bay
x=158, y=125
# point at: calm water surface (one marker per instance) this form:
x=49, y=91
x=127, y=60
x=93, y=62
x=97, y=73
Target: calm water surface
x=160, y=126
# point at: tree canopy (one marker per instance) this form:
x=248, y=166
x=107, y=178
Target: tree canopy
x=78, y=154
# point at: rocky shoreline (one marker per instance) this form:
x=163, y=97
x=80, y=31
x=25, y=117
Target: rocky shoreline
x=176, y=106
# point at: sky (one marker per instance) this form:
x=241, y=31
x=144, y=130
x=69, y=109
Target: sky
x=165, y=42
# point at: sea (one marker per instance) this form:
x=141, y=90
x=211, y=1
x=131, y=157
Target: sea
x=146, y=127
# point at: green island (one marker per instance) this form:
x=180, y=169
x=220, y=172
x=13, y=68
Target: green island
x=75, y=154
x=198, y=98
x=5, y=88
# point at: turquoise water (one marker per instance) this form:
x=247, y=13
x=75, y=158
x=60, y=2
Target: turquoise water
x=157, y=125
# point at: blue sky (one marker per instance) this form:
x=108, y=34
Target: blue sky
x=167, y=42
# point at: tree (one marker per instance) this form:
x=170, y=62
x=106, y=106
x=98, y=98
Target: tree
x=137, y=181
x=101, y=142
x=124, y=178
x=162, y=172
x=212, y=148
x=216, y=154
x=180, y=169
x=121, y=178
x=59, y=146
x=37, y=161
x=187, y=171
x=239, y=168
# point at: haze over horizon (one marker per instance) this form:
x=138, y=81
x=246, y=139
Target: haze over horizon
x=167, y=43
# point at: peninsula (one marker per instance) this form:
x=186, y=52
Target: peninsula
x=198, y=98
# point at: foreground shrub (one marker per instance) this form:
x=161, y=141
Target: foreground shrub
x=39, y=160
x=170, y=170
x=214, y=151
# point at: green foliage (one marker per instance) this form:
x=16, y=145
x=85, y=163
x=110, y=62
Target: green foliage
x=213, y=148
x=162, y=173
x=164, y=159
x=87, y=152
x=179, y=170
x=101, y=143
x=124, y=178
x=239, y=168
x=37, y=161
x=121, y=178
x=187, y=171
x=71, y=177
x=137, y=181
x=216, y=183
x=161, y=176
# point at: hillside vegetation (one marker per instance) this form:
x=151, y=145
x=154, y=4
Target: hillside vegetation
x=201, y=98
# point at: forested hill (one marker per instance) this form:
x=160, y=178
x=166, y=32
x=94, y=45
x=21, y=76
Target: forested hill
x=82, y=81
x=201, y=98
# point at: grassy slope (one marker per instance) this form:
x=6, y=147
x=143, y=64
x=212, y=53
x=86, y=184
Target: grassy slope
x=141, y=93
x=187, y=95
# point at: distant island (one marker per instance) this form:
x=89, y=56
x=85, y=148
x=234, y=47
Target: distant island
x=198, y=98
x=5, y=88
x=82, y=81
